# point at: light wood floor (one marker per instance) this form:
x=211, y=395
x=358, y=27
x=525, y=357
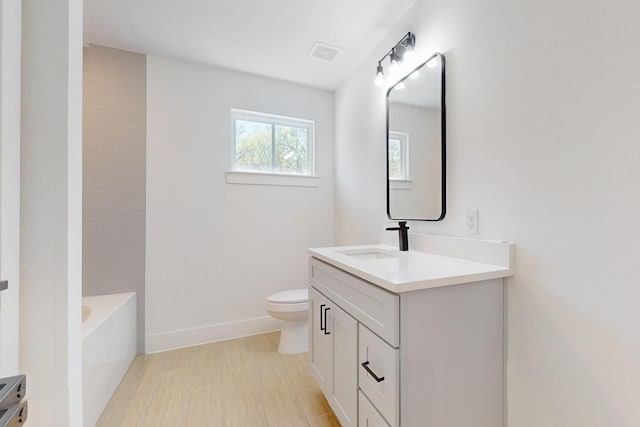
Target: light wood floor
x=240, y=382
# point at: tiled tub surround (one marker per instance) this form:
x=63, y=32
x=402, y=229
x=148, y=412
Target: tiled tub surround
x=409, y=338
x=114, y=169
x=108, y=347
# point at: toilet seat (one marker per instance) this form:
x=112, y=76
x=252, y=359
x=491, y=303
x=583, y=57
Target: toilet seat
x=291, y=296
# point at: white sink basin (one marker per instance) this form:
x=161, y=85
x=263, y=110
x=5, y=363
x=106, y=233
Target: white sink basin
x=367, y=254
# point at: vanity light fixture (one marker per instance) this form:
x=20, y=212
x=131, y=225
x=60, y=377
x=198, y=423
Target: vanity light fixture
x=402, y=50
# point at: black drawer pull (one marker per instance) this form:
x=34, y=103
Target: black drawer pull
x=326, y=332
x=365, y=365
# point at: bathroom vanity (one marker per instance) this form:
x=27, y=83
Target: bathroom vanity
x=411, y=338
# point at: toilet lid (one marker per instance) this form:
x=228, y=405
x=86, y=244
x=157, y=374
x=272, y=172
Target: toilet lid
x=291, y=296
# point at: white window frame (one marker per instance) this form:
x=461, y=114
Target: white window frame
x=403, y=137
x=242, y=176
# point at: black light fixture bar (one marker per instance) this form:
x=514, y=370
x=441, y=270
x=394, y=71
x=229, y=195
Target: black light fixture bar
x=395, y=55
x=408, y=41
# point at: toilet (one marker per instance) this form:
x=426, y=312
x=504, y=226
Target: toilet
x=292, y=308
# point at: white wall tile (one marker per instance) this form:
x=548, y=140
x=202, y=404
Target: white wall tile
x=114, y=175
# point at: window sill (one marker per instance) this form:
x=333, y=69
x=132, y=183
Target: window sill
x=400, y=184
x=266, y=178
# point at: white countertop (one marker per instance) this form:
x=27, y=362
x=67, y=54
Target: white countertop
x=411, y=270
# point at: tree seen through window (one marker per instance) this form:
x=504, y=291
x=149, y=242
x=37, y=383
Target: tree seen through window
x=262, y=146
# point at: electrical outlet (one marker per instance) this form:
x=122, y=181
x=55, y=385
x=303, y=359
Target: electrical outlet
x=471, y=224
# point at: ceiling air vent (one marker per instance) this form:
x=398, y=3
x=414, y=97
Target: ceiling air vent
x=324, y=51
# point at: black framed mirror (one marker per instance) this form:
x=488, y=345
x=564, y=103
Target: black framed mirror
x=416, y=142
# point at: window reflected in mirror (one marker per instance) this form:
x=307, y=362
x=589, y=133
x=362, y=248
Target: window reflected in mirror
x=398, y=156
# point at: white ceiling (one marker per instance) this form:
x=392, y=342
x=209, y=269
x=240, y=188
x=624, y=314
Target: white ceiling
x=267, y=37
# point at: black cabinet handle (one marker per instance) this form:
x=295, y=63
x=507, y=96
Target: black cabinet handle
x=322, y=328
x=325, y=321
x=4, y=285
x=365, y=365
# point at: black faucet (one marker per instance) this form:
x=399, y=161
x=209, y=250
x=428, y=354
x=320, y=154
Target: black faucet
x=402, y=234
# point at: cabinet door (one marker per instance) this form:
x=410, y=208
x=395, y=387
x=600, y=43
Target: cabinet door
x=320, y=342
x=344, y=395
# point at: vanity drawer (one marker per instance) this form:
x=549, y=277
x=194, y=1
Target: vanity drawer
x=367, y=415
x=379, y=374
x=376, y=308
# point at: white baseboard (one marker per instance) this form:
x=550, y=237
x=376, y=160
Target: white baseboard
x=205, y=334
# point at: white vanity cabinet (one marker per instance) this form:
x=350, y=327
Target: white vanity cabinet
x=424, y=357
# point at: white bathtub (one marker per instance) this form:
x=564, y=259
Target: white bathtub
x=108, y=347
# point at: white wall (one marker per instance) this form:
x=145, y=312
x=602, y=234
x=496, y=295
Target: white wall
x=543, y=104
x=51, y=211
x=215, y=251
x=10, y=29
x=360, y=161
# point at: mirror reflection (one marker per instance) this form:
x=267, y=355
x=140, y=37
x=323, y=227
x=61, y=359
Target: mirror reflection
x=416, y=144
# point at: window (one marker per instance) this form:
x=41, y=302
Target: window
x=272, y=144
x=398, y=156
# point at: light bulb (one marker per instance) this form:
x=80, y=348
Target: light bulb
x=409, y=55
x=394, y=58
x=379, y=75
x=409, y=46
